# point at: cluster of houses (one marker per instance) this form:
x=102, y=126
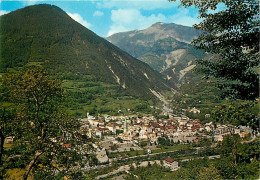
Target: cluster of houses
x=132, y=128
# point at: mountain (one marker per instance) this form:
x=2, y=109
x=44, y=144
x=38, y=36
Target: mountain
x=45, y=35
x=165, y=47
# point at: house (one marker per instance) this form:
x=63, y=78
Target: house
x=195, y=111
x=236, y=131
x=243, y=134
x=85, y=123
x=171, y=163
x=125, y=137
x=54, y=140
x=103, y=130
x=182, y=123
x=98, y=132
x=107, y=118
x=143, y=134
x=9, y=139
x=93, y=122
x=185, y=118
x=246, y=129
x=189, y=125
x=111, y=127
x=102, y=156
x=209, y=127
x=89, y=117
x=67, y=146
x=207, y=115
x=197, y=120
x=101, y=123
x=218, y=138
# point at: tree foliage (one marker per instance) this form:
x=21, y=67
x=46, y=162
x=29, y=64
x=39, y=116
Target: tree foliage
x=237, y=161
x=233, y=35
x=237, y=113
x=154, y=171
x=48, y=138
x=164, y=140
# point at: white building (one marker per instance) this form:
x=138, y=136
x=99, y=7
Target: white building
x=195, y=111
x=171, y=163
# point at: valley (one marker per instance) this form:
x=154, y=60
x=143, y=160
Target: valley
x=135, y=105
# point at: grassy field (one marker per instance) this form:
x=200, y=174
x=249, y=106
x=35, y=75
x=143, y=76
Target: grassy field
x=89, y=95
x=16, y=174
x=171, y=148
x=143, y=152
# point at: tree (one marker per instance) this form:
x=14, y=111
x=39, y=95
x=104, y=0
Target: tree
x=237, y=113
x=119, y=139
x=143, y=144
x=210, y=172
x=232, y=35
x=238, y=161
x=50, y=136
x=229, y=145
x=164, y=140
x=7, y=128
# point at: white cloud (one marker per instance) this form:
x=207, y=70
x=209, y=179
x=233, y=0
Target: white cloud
x=2, y=12
x=220, y=7
x=30, y=2
x=129, y=19
x=79, y=19
x=182, y=17
x=98, y=13
x=187, y=21
x=115, y=29
x=137, y=4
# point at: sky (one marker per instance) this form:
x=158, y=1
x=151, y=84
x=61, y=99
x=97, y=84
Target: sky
x=112, y=16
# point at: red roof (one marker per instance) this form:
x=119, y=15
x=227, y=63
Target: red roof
x=111, y=124
x=66, y=145
x=194, y=127
x=170, y=160
x=162, y=128
x=155, y=124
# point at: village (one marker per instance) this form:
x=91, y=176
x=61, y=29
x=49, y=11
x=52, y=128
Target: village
x=132, y=128
x=132, y=132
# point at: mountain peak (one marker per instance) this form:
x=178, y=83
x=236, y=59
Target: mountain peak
x=48, y=8
x=158, y=31
x=159, y=24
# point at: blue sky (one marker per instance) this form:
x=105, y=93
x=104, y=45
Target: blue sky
x=111, y=16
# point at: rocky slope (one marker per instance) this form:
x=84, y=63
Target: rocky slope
x=165, y=47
